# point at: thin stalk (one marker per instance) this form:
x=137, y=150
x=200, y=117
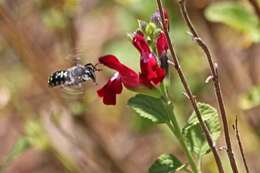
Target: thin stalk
x=189, y=93
x=180, y=137
x=215, y=78
x=175, y=128
x=256, y=7
x=235, y=127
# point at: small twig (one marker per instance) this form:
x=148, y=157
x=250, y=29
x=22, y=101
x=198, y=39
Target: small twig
x=214, y=71
x=188, y=91
x=235, y=127
x=256, y=7
x=222, y=148
x=209, y=78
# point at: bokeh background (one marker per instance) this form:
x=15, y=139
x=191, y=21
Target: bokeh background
x=70, y=130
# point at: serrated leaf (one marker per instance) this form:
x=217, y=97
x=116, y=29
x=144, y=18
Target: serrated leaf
x=236, y=16
x=194, y=137
x=251, y=98
x=166, y=163
x=149, y=107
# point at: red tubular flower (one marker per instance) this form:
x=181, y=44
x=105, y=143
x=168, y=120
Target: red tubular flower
x=128, y=76
x=151, y=72
x=140, y=43
x=162, y=44
x=124, y=75
x=109, y=91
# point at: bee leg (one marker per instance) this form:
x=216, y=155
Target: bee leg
x=95, y=67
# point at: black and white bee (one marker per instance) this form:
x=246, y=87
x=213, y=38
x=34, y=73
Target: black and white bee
x=73, y=76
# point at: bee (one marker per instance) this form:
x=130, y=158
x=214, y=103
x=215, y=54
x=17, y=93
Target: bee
x=73, y=76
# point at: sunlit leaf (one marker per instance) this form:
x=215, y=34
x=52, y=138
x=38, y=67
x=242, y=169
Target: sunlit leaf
x=195, y=139
x=251, y=98
x=54, y=19
x=19, y=147
x=236, y=16
x=166, y=163
x=36, y=134
x=149, y=107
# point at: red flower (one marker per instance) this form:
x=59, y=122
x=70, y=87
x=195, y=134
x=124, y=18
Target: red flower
x=162, y=44
x=109, y=91
x=140, y=43
x=124, y=75
x=128, y=76
x=151, y=73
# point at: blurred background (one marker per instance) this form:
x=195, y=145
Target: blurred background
x=70, y=130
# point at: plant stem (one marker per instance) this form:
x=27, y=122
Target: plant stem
x=214, y=72
x=235, y=127
x=189, y=93
x=256, y=7
x=175, y=128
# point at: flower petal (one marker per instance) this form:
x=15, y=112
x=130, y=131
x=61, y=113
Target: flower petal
x=109, y=91
x=151, y=72
x=111, y=61
x=128, y=76
x=162, y=44
x=140, y=43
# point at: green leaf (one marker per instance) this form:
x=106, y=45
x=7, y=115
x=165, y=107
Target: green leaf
x=19, y=147
x=166, y=163
x=236, y=16
x=54, y=19
x=149, y=107
x=36, y=134
x=194, y=137
x=251, y=98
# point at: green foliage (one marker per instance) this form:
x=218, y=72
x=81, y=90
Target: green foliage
x=149, y=107
x=166, y=163
x=54, y=19
x=18, y=148
x=236, y=16
x=36, y=134
x=195, y=140
x=57, y=15
x=138, y=7
x=251, y=98
x=70, y=7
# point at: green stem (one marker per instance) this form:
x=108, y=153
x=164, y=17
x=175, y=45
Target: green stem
x=176, y=130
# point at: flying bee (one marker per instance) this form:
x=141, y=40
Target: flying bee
x=73, y=76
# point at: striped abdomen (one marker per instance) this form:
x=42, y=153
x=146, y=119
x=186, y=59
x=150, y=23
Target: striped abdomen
x=58, y=78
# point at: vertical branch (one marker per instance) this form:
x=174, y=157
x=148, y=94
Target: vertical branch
x=189, y=93
x=256, y=7
x=215, y=78
x=235, y=127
